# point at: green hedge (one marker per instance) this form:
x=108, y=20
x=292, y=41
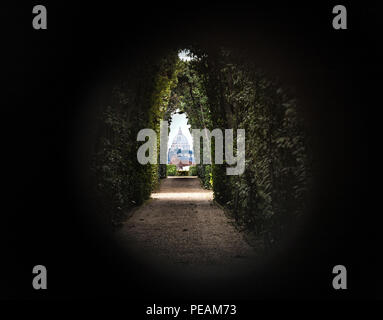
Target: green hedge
x=171, y=169
x=137, y=102
x=205, y=174
x=223, y=89
x=193, y=171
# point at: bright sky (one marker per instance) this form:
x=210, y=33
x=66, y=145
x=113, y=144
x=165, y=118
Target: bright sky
x=179, y=120
x=183, y=55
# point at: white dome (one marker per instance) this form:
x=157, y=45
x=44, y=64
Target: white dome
x=180, y=141
x=180, y=152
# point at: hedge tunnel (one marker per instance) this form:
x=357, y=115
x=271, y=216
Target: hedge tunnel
x=224, y=86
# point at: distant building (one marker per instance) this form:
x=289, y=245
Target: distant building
x=180, y=152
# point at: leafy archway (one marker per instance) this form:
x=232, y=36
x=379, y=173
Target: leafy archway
x=219, y=88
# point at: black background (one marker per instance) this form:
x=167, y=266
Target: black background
x=52, y=74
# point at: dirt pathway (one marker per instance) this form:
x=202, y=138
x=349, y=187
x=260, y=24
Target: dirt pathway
x=181, y=228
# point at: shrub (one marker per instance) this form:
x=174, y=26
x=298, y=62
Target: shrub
x=192, y=171
x=171, y=169
x=225, y=89
x=135, y=102
x=162, y=171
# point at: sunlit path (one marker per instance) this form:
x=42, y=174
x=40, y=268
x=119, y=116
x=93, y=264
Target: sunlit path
x=181, y=228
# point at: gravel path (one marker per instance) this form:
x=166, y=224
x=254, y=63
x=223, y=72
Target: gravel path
x=181, y=229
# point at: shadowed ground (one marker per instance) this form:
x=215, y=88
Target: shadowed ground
x=181, y=229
